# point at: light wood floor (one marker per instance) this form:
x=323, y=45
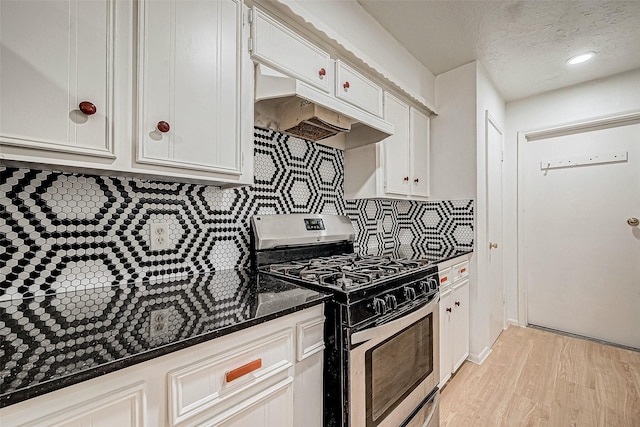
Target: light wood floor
x=539, y=378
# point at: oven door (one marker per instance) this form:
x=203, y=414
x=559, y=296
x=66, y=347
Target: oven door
x=394, y=367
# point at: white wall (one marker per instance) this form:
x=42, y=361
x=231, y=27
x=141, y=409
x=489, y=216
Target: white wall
x=453, y=135
x=458, y=170
x=349, y=24
x=603, y=97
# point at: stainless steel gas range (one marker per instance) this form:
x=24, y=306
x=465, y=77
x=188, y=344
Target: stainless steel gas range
x=382, y=327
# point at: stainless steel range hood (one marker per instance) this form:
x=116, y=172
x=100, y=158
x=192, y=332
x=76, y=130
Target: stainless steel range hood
x=291, y=106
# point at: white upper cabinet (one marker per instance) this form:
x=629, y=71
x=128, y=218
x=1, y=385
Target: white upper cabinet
x=419, y=148
x=278, y=46
x=56, y=59
x=190, y=84
x=398, y=166
x=396, y=148
x=356, y=89
x=70, y=99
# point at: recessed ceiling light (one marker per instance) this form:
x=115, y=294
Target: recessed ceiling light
x=578, y=59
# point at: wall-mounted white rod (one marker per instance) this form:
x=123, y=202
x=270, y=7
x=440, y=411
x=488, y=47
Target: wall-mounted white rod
x=621, y=156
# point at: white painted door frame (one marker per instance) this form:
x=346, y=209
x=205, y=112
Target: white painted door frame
x=595, y=123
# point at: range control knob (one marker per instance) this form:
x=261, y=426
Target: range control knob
x=379, y=306
x=409, y=293
x=391, y=301
x=423, y=287
x=433, y=284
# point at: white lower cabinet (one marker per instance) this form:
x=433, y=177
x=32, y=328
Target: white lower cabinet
x=122, y=407
x=254, y=377
x=273, y=408
x=454, y=319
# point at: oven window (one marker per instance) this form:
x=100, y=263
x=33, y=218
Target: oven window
x=396, y=367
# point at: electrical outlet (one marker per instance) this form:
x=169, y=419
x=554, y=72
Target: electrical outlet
x=379, y=226
x=159, y=322
x=158, y=236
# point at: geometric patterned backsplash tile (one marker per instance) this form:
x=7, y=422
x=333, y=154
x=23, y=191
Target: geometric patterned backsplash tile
x=71, y=232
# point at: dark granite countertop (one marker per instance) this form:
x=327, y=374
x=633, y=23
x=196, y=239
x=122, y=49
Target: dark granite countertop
x=63, y=338
x=56, y=340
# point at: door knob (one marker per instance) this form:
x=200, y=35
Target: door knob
x=493, y=245
x=633, y=222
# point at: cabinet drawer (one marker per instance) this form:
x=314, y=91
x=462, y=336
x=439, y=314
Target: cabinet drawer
x=460, y=270
x=229, y=378
x=356, y=89
x=281, y=48
x=445, y=277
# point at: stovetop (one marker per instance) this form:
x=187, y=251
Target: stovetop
x=367, y=288
x=348, y=272
x=317, y=251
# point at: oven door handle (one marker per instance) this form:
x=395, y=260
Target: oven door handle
x=391, y=328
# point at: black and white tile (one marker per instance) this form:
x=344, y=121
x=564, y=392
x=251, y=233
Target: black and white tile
x=69, y=232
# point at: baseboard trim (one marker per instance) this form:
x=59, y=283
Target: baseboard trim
x=479, y=358
x=444, y=382
x=583, y=337
x=514, y=322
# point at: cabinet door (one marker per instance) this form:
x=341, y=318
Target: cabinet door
x=419, y=124
x=272, y=409
x=123, y=408
x=55, y=55
x=396, y=147
x=277, y=46
x=356, y=89
x=445, y=336
x=189, y=77
x=460, y=319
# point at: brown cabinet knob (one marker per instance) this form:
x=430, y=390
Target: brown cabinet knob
x=406, y=178
x=416, y=180
x=322, y=73
x=448, y=310
x=163, y=126
x=457, y=303
x=87, y=108
x=346, y=86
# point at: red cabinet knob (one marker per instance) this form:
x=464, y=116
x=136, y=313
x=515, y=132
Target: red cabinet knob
x=322, y=73
x=163, y=126
x=346, y=86
x=87, y=108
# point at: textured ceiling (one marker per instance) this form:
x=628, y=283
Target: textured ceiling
x=523, y=45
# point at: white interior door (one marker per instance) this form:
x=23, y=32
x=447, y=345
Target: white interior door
x=581, y=257
x=494, y=229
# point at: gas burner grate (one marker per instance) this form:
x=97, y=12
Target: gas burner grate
x=347, y=271
x=345, y=281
